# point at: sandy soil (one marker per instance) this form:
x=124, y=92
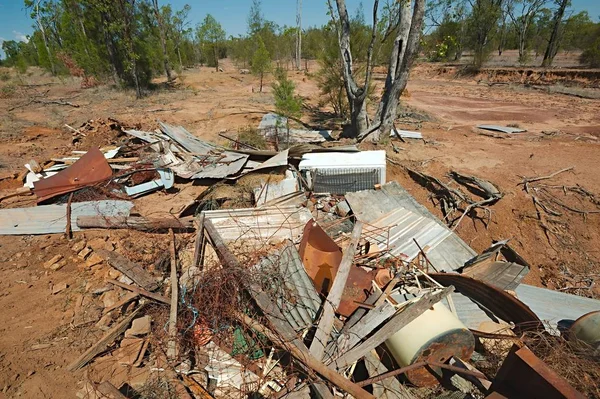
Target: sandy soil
x=562, y=131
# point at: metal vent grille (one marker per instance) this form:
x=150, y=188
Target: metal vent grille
x=341, y=181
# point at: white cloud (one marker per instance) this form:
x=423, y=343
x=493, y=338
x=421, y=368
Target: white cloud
x=20, y=37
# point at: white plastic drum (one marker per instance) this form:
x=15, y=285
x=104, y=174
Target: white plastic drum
x=436, y=335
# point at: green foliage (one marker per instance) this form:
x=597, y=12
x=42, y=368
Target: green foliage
x=261, y=61
x=482, y=27
x=287, y=103
x=591, y=55
x=211, y=36
x=251, y=136
x=8, y=90
x=330, y=78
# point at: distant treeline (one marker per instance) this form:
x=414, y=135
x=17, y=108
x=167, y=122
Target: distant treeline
x=130, y=41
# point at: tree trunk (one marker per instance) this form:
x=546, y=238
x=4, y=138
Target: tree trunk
x=163, y=40
x=44, y=38
x=216, y=57
x=552, y=48
x=261, y=82
x=179, y=55
x=299, y=35
x=110, y=49
x=356, y=94
x=403, y=54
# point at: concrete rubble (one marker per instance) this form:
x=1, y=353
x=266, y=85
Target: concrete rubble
x=335, y=282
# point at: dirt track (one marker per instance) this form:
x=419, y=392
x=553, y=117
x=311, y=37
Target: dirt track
x=215, y=102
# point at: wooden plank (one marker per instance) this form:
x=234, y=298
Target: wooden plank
x=317, y=346
x=200, y=243
x=350, y=338
x=386, y=389
x=135, y=223
x=172, y=344
x=126, y=299
x=141, y=291
x=130, y=269
x=108, y=389
x=104, y=342
x=396, y=323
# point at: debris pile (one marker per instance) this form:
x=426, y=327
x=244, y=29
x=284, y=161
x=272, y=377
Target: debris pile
x=299, y=273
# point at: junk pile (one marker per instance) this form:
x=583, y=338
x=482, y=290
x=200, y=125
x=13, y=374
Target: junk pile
x=333, y=282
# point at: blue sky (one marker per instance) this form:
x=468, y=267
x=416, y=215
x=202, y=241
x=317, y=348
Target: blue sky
x=15, y=22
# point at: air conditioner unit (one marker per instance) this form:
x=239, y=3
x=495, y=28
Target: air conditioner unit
x=342, y=172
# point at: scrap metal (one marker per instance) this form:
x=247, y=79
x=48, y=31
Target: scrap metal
x=90, y=169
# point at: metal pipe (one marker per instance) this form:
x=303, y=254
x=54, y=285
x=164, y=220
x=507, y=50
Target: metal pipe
x=417, y=365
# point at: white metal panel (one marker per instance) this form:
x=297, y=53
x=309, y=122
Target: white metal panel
x=48, y=219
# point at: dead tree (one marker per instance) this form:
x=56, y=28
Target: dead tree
x=356, y=93
x=406, y=21
x=406, y=43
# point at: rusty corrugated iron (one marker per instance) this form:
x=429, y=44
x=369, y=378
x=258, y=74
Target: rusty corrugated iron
x=524, y=375
x=321, y=257
x=90, y=169
x=502, y=304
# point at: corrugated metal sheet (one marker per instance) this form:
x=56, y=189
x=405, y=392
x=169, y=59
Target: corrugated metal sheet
x=214, y=162
x=370, y=205
x=406, y=134
x=503, y=129
x=406, y=227
x=48, y=219
x=294, y=293
x=260, y=224
x=452, y=253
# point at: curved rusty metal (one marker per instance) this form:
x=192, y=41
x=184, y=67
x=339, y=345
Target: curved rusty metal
x=502, y=304
x=88, y=170
x=321, y=257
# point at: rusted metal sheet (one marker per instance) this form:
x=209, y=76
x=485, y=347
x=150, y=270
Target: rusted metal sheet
x=500, y=274
x=500, y=303
x=322, y=257
x=90, y=169
x=524, y=375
